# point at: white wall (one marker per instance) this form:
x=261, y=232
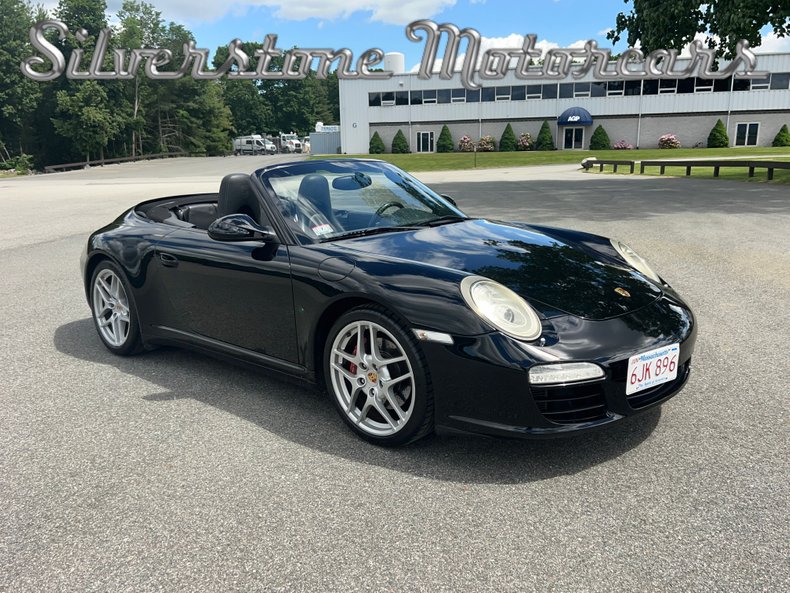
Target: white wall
x=359, y=121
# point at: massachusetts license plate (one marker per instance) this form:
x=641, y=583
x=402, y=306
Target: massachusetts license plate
x=652, y=368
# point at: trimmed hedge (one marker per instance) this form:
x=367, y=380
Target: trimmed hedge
x=399, y=143
x=600, y=140
x=376, y=144
x=545, y=140
x=718, y=136
x=507, y=143
x=445, y=142
x=782, y=138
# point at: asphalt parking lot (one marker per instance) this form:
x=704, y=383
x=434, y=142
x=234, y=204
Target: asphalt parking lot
x=171, y=471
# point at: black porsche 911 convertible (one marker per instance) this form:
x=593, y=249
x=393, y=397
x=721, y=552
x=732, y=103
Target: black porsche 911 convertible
x=353, y=275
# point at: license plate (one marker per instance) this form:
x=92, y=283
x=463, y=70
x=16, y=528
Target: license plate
x=652, y=368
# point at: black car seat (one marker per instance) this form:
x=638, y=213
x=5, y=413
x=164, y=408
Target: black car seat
x=236, y=196
x=315, y=189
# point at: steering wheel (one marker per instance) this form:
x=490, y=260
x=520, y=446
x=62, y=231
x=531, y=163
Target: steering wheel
x=386, y=205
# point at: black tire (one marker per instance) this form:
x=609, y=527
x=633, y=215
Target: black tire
x=132, y=344
x=419, y=421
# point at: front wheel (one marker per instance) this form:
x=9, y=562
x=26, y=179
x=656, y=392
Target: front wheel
x=378, y=378
x=114, y=311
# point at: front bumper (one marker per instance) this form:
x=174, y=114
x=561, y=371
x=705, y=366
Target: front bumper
x=481, y=383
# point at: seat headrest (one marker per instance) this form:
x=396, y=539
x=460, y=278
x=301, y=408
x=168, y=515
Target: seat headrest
x=236, y=196
x=315, y=189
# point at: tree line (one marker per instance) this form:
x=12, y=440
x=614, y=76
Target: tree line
x=74, y=120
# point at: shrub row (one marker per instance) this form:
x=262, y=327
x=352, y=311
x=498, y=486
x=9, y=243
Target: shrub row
x=509, y=143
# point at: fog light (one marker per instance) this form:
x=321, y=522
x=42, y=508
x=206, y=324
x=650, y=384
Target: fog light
x=564, y=372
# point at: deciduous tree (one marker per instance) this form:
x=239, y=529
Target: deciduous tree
x=659, y=24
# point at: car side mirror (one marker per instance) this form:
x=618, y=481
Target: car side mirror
x=240, y=227
x=449, y=199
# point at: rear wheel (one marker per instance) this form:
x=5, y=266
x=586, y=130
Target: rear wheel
x=114, y=312
x=378, y=378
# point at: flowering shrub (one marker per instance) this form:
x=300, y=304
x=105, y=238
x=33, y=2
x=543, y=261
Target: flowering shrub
x=465, y=144
x=668, y=141
x=525, y=142
x=623, y=145
x=486, y=144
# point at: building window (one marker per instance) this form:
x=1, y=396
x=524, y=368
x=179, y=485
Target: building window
x=374, y=99
x=761, y=84
x=503, y=93
x=416, y=97
x=473, y=96
x=780, y=81
x=387, y=99
x=633, y=87
x=573, y=139
x=488, y=94
x=685, y=86
x=566, y=91
x=549, y=91
x=746, y=134
x=581, y=90
x=615, y=88
x=703, y=85
x=459, y=96
x=650, y=87
x=518, y=93
x=534, y=91
x=722, y=85
x=425, y=142
x=444, y=95
x=667, y=87
x=401, y=97
x=598, y=89
x=429, y=97
x=741, y=84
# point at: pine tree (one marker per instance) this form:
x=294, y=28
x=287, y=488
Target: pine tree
x=507, y=143
x=445, y=142
x=600, y=140
x=718, y=136
x=399, y=144
x=376, y=144
x=545, y=139
x=782, y=138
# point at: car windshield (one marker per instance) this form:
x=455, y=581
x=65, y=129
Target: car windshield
x=325, y=200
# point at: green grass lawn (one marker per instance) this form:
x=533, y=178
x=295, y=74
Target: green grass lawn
x=488, y=160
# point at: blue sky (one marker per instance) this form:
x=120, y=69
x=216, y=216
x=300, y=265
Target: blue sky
x=558, y=21
x=363, y=24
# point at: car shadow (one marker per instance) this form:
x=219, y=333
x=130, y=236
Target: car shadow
x=305, y=416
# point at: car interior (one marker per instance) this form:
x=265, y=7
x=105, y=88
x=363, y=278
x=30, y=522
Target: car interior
x=319, y=205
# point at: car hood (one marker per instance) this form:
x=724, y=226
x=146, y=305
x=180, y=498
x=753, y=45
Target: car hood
x=556, y=275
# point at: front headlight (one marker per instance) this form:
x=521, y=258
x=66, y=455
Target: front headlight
x=501, y=308
x=635, y=260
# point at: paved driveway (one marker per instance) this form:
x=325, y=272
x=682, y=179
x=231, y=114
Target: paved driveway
x=174, y=472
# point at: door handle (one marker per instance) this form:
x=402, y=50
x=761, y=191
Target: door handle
x=170, y=261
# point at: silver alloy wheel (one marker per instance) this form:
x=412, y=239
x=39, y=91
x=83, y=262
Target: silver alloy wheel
x=374, y=383
x=111, y=308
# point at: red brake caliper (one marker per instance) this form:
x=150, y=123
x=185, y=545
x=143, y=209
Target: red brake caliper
x=351, y=366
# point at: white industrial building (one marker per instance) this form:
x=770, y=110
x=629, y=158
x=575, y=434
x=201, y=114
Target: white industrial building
x=638, y=112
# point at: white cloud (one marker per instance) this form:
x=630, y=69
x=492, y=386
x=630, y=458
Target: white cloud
x=773, y=43
x=397, y=12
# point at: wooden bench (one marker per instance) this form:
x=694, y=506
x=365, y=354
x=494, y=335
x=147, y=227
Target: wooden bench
x=752, y=165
